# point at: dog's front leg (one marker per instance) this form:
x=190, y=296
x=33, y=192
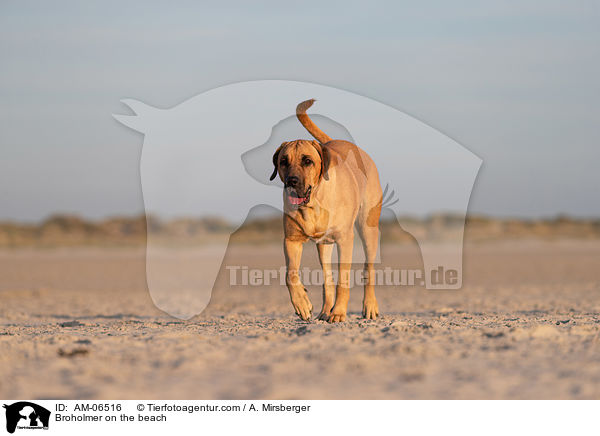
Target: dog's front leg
x=342, y=295
x=325, y=251
x=298, y=295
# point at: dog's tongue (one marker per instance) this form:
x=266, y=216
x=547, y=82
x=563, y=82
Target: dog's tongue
x=296, y=200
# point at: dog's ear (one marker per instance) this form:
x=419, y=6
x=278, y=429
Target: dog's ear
x=275, y=159
x=325, y=159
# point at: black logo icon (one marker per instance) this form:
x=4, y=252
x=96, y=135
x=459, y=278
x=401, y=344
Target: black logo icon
x=24, y=414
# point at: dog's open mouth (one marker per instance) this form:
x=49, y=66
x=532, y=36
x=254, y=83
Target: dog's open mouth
x=296, y=199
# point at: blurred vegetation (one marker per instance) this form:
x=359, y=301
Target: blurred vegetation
x=66, y=230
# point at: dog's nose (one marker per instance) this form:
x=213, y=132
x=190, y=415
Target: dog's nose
x=292, y=181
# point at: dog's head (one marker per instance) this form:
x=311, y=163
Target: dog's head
x=301, y=166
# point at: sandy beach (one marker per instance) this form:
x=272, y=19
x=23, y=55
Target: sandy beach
x=79, y=323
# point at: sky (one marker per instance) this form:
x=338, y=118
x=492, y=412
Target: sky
x=514, y=82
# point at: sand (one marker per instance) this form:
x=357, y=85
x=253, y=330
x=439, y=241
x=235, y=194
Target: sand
x=79, y=323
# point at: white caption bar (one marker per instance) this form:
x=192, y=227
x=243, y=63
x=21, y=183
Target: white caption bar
x=151, y=417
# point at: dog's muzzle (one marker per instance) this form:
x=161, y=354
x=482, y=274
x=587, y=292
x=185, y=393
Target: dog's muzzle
x=298, y=199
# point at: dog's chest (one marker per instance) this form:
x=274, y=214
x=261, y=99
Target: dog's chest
x=323, y=237
x=315, y=225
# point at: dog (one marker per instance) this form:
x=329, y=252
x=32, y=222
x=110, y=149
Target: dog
x=329, y=186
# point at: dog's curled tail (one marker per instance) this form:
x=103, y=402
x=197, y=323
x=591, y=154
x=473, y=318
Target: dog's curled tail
x=308, y=124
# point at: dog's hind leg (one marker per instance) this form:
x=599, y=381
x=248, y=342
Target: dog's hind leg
x=342, y=293
x=367, y=224
x=325, y=251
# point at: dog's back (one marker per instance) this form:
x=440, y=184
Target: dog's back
x=344, y=153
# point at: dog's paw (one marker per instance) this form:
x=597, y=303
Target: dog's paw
x=302, y=305
x=370, y=309
x=324, y=315
x=337, y=315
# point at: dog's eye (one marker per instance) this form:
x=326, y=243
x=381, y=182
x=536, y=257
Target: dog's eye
x=283, y=162
x=306, y=161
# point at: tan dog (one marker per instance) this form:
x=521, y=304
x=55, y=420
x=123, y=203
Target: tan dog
x=329, y=186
